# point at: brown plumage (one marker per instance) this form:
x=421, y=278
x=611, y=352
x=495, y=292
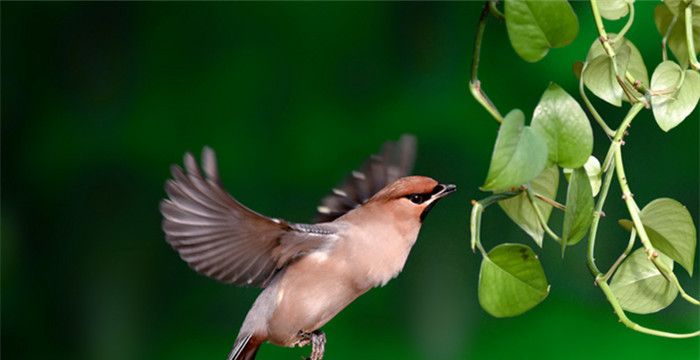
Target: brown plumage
x=309, y=272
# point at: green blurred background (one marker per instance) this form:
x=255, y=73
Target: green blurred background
x=99, y=99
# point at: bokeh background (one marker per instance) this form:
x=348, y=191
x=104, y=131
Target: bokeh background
x=98, y=99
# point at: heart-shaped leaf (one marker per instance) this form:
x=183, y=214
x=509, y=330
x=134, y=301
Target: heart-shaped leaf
x=676, y=93
x=511, y=281
x=640, y=287
x=614, y=9
x=521, y=211
x=519, y=155
x=599, y=75
x=536, y=26
x=567, y=129
x=671, y=230
x=594, y=172
x=579, y=208
x=663, y=15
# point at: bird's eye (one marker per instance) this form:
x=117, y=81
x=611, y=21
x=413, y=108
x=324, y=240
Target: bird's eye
x=416, y=198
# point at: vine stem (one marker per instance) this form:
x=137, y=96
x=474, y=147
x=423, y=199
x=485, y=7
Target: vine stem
x=608, y=131
x=643, y=236
x=600, y=278
x=474, y=83
x=609, y=170
x=628, y=24
x=631, y=324
x=478, y=208
x=602, y=196
x=689, y=37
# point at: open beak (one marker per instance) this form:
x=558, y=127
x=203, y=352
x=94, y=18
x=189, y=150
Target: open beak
x=447, y=189
x=440, y=191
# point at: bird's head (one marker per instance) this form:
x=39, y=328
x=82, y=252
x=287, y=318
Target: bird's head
x=411, y=197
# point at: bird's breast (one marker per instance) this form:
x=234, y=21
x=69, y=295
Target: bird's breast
x=379, y=253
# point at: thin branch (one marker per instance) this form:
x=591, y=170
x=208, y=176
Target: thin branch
x=478, y=208
x=664, y=41
x=608, y=131
x=474, y=83
x=630, y=245
x=549, y=201
x=540, y=217
x=607, y=180
x=628, y=24
x=494, y=10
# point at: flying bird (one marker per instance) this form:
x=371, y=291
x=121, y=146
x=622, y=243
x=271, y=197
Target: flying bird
x=361, y=237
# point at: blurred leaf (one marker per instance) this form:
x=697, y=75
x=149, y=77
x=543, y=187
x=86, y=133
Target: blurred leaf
x=519, y=155
x=536, y=26
x=640, y=287
x=599, y=76
x=671, y=230
x=674, y=6
x=614, y=9
x=521, y=211
x=511, y=281
x=579, y=208
x=676, y=94
x=594, y=172
x=626, y=224
x=567, y=129
x=663, y=14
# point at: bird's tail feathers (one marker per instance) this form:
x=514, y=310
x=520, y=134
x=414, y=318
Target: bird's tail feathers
x=245, y=347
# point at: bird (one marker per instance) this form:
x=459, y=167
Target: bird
x=360, y=239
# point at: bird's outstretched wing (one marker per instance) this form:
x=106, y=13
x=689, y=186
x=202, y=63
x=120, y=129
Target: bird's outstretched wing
x=222, y=239
x=394, y=161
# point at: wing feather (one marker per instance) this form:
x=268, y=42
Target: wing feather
x=219, y=237
x=394, y=161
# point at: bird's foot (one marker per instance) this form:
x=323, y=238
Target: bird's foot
x=317, y=339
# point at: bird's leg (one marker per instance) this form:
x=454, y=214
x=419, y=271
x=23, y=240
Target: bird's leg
x=317, y=339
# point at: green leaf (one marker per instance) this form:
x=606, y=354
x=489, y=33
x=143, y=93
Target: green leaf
x=594, y=172
x=663, y=15
x=511, y=281
x=599, y=76
x=536, y=26
x=579, y=208
x=640, y=287
x=675, y=6
x=676, y=93
x=521, y=211
x=567, y=129
x=519, y=155
x=614, y=9
x=671, y=230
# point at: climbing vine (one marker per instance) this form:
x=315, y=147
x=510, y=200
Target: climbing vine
x=527, y=160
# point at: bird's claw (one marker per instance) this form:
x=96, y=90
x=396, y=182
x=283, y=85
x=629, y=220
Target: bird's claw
x=317, y=339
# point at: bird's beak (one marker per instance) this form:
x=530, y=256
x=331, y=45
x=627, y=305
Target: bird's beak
x=440, y=191
x=447, y=189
